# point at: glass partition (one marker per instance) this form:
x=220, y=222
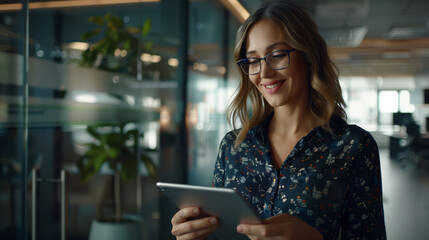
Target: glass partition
x=13, y=169
x=211, y=69
x=103, y=89
x=100, y=99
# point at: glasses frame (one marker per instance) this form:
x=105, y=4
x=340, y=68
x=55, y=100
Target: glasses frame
x=241, y=61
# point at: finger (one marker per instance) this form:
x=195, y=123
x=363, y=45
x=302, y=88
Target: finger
x=259, y=230
x=195, y=226
x=183, y=214
x=200, y=234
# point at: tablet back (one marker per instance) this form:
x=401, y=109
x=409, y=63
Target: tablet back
x=224, y=203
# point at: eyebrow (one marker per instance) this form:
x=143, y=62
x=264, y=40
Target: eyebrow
x=269, y=47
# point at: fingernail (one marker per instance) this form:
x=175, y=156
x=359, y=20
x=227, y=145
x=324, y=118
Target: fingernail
x=196, y=211
x=239, y=229
x=213, y=221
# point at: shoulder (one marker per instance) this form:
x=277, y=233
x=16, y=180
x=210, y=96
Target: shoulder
x=343, y=130
x=227, y=145
x=228, y=140
x=230, y=136
x=361, y=136
x=358, y=144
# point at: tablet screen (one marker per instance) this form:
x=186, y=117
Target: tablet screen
x=224, y=203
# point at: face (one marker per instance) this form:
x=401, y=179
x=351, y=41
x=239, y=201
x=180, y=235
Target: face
x=281, y=88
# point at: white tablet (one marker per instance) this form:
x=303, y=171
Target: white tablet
x=224, y=203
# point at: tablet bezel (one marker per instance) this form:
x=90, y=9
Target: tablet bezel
x=224, y=203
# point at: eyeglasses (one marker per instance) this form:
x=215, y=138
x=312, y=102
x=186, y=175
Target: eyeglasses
x=276, y=60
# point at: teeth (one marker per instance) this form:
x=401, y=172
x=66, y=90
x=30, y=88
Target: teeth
x=273, y=85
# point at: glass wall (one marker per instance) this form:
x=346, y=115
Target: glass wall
x=100, y=99
x=211, y=64
x=99, y=78
x=13, y=134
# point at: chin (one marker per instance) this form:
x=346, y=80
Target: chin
x=275, y=104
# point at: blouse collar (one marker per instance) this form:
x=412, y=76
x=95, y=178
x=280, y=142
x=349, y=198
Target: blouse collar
x=337, y=124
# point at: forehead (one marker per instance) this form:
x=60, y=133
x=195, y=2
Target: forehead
x=263, y=34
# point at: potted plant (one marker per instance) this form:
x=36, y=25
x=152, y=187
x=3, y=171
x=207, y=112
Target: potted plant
x=120, y=46
x=117, y=147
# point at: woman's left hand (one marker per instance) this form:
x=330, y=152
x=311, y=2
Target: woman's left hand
x=280, y=227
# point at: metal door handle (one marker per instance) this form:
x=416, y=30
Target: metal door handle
x=64, y=201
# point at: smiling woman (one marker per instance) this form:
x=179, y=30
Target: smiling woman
x=280, y=85
x=307, y=172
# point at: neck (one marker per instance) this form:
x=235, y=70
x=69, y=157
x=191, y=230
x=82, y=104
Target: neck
x=292, y=121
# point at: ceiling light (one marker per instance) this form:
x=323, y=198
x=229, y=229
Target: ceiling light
x=345, y=37
x=155, y=58
x=82, y=46
x=173, y=62
x=221, y=70
x=235, y=7
x=394, y=55
x=145, y=57
x=343, y=9
x=407, y=32
x=71, y=3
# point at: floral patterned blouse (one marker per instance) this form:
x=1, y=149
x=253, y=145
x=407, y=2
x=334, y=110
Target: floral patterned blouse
x=330, y=181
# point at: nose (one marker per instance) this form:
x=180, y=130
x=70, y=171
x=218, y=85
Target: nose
x=266, y=71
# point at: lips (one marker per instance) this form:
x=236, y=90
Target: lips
x=274, y=86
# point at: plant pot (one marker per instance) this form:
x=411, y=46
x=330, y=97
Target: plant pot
x=130, y=228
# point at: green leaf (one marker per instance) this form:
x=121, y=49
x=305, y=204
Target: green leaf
x=115, y=146
x=90, y=34
x=148, y=45
x=103, y=46
x=112, y=165
x=112, y=36
x=94, y=152
x=113, y=153
x=88, y=58
x=129, y=167
x=98, y=162
x=85, y=169
x=92, y=130
x=127, y=45
x=147, y=26
x=114, y=22
x=97, y=20
x=114, y=140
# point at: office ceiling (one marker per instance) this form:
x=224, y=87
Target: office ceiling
x=372, y=37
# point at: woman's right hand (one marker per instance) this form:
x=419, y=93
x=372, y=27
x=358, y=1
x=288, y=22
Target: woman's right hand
x=187, y=224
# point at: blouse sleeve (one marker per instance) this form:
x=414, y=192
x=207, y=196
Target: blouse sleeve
x=364, y=217
x=219, y=168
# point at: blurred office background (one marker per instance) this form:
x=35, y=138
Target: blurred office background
x=164, y=69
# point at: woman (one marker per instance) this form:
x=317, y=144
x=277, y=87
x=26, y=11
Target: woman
x=307, y=172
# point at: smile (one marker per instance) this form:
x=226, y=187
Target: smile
x=274, y=85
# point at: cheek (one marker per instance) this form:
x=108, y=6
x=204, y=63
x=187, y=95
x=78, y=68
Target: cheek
x=254, y=80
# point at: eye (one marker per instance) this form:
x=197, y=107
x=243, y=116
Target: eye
x=278, y=55
x=252, y=61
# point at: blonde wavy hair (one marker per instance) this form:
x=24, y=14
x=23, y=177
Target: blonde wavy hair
x=300, y=31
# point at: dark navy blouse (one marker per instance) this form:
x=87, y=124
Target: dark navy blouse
x=330, y=181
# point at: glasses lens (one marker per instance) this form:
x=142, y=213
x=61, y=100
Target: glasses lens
x=278, y=60
x=250, y=65
x=244, y=66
